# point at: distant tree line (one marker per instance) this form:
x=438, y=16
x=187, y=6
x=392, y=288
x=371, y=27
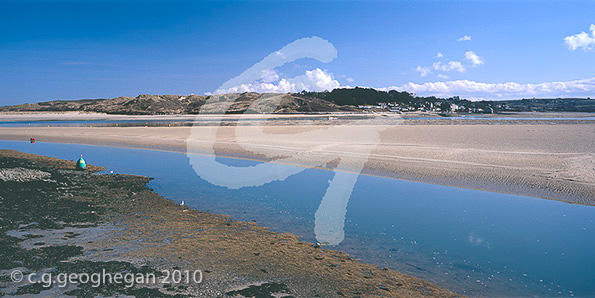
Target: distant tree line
x=368, y=96
x=359, y=96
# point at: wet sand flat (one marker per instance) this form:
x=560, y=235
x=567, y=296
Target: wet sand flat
x=542, y=159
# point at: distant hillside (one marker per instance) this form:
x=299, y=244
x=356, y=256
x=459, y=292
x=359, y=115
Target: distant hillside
x=547, y=105
x=178, y=104
x=343, y=99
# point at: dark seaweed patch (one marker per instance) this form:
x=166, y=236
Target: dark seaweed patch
x=64, y=200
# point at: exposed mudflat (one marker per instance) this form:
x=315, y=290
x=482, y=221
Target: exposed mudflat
x=56, y=219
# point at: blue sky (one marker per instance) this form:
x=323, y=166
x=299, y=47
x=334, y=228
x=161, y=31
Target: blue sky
x=104, y=49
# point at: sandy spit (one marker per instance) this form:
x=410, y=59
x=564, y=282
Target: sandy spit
x=551, y=161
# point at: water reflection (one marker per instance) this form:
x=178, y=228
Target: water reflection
x=476, y=243
x=312, y=120
x=330, y=216
x=329, y=219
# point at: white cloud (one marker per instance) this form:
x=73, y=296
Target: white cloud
x=312, y=80
x=319, y=80
x=465, y=38
x=475, y=60
x=423, y=71
x=581, y=40
x=439, y=55
x=349, y=79
x=511, y=90
x=450, y=65
x=269, y=75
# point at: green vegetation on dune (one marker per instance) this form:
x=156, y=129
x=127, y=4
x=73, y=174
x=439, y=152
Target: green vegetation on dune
x=338, y=100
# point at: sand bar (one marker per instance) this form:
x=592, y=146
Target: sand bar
x=552, y=161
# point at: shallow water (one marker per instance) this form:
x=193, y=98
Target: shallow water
x=163, y=121
x=309, y=119
x=519, y=118
x=473, y=242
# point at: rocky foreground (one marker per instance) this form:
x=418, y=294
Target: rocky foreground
x=58, y=220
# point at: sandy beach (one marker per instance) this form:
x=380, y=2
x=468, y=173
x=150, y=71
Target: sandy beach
x=546, y=159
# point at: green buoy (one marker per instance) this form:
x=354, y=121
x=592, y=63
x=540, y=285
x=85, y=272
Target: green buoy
x=81, y=164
